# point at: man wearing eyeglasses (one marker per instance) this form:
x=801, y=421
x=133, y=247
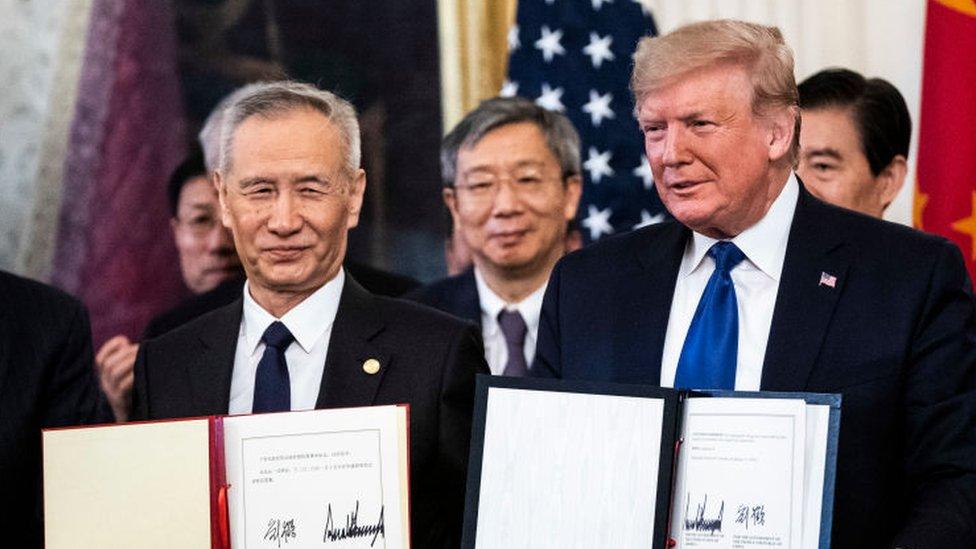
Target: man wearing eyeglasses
x=512, y=183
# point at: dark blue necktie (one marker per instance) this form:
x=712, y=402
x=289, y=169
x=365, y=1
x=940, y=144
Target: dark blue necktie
x=711, y=347
x=272, y=389
x=514, y=329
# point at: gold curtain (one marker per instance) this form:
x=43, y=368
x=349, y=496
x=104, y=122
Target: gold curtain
x=473, y=53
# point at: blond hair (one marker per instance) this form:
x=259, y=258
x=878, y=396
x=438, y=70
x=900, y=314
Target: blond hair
x=759, y=49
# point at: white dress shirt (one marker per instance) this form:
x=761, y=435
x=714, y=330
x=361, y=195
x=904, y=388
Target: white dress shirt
x=310, y=322
x=756, y=281
x=496, y=351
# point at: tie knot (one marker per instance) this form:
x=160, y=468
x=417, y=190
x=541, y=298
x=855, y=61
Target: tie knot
x=277, y=336
x=513, y=326
x=726, y=255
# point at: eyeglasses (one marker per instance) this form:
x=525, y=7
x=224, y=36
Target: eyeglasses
x=200, y=224
x=484, y=186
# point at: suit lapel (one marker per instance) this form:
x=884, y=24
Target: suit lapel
x=805, y=305
x=358, y=321
x=210, y=370
x=6, y=328
x=469, y=304
x=644, y=307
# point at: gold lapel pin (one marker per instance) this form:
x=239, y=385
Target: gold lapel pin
x=371, y=366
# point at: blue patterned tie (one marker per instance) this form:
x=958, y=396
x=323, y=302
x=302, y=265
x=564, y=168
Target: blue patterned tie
x=272, y=388
x=711, y=347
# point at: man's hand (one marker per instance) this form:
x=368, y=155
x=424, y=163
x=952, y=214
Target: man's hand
x=114, y=363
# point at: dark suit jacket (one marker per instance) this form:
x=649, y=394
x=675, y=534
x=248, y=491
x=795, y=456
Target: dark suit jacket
x=427, y=358
x=896, y=337
x=46, y=380
x=456, y=295
x=225, y=293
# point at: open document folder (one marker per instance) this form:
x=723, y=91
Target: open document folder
x=586, y=464
x=323, y=478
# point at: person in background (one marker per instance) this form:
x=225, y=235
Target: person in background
x=512, y=183
x=46, y=380
x=209, y=265
x=853, y=140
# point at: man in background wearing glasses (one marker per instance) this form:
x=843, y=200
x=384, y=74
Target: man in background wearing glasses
x=512, y=183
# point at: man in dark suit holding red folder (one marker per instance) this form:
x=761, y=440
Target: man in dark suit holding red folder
x=304, y=334
x=760, y=286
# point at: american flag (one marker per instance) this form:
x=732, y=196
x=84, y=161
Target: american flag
x=574, y=56
x=827, y=279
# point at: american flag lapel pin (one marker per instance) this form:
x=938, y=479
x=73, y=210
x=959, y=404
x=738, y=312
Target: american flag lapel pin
x=828, y=280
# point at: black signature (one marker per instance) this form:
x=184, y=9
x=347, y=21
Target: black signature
x=353, y=529
x=701, y=523
x=280, y=531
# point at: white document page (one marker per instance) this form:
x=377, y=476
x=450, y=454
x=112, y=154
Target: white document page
x=322, y=478
x=740, y=474
x=818, y=425
x=568, y=470
x=143, y=485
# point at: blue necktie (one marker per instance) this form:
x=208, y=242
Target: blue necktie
x=514, y=329
x=711, y=347
x=272, y=389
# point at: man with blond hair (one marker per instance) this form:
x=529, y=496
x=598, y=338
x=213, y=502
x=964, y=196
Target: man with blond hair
x=757, y=285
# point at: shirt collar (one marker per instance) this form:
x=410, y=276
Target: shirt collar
x=308, y=321
x=764, y=244
x=491, y=304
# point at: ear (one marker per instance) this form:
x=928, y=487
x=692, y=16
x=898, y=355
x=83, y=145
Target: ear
x=891, y=179
x=573, y=190
x=220, y=184
x=782, y=127
x=450, y=200
x=354, y=203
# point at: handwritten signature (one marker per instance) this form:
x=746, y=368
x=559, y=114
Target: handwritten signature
x=353, y=529
x=701, y=522
x=756, y=513
x=280, y=531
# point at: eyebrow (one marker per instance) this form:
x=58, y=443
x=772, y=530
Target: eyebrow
x=519, y=164
x=201, y=206
x=825, y=151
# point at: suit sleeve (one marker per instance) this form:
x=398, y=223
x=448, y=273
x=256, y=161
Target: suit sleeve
x=140, y=397
x=465, y=360
x=548, y=351
x=72, y=395
x=940, y=413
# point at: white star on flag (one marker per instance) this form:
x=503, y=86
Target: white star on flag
x=597, y=4
x=513, y=38
x=549, y=44
x=644, y=172
x=551, y=98
x=598, y=164
x=598, y=49
x=509, y=89
x=599, y=107
x=648, y=219
x=598, y=222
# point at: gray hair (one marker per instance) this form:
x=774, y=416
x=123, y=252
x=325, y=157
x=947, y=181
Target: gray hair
x=209, y=135
x=269, y=99
x=561, y=137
